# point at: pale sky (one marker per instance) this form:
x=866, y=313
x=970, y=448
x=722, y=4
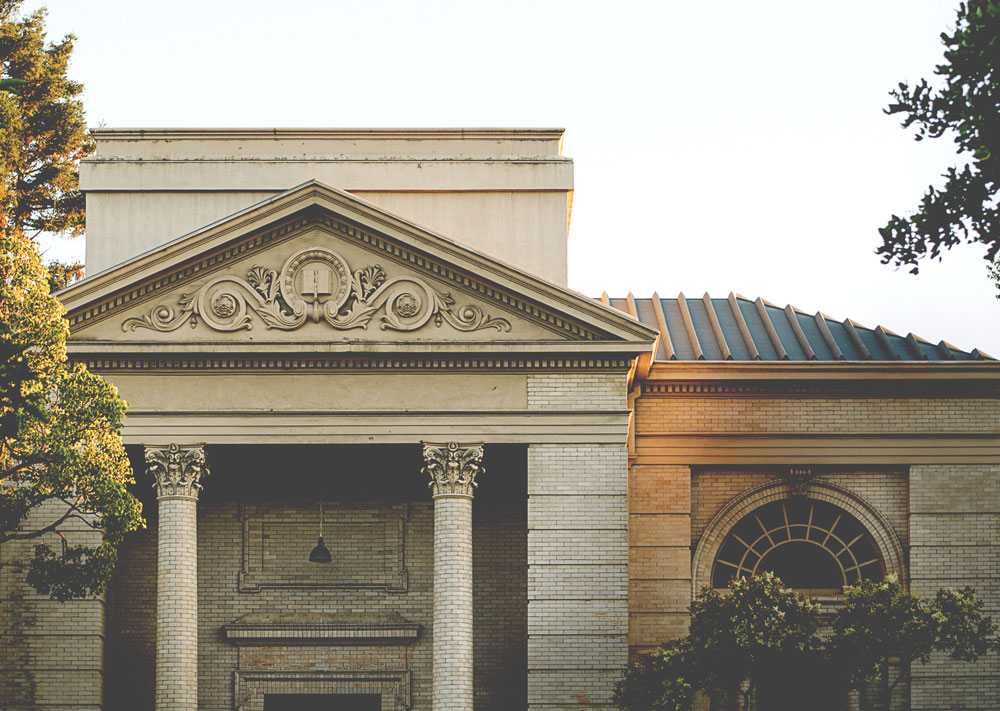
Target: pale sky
x=724, y=146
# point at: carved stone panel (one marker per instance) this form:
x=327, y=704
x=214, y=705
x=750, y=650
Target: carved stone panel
x=315, y=285
x=366, y=544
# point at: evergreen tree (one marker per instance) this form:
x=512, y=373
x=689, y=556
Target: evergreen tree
x=43, y=133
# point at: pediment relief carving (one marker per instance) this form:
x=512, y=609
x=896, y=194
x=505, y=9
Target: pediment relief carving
x=316, y=285
x=365, y=287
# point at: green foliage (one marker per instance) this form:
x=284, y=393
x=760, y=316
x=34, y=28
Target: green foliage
x=732, y=635
x=61, y=456
x=42, y=129
x=62, y=274
x=881, y=621
x=758, y=620
x=663, y=680
x=966, y=105
x=993, y=270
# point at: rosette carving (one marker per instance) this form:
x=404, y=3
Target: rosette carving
x=177, y=470
x=452, y=467
x=315, y=285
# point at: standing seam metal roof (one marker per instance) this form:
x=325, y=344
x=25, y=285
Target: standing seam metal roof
x=737, y=328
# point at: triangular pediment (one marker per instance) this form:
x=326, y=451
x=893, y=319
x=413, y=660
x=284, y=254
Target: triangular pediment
x=315, y=265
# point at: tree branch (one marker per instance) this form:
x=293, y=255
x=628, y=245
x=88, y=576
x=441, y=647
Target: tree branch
x=51, y=528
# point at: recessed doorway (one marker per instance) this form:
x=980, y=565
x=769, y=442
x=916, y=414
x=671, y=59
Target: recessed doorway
x=322, y=702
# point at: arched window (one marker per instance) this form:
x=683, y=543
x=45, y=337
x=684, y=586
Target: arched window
x=808, y=543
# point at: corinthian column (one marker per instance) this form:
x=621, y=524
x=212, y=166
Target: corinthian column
x=452, y=469
x=178, y=471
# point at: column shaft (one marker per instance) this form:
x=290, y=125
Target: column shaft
x=178, y=472
x=452, y=469
x=453, y=603
x=177, y=606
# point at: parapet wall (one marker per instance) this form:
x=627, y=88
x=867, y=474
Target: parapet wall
x=505, y=192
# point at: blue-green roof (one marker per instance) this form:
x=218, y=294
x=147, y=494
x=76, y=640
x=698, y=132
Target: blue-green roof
x=738, y=328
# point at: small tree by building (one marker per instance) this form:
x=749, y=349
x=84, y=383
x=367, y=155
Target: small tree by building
x=733, y=636
x=881, y=622
x=663, y=680
x=757, y=622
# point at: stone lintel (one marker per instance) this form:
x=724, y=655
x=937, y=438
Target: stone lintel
x=322, y=628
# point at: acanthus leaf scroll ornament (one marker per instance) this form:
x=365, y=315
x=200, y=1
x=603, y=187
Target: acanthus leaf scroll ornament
x=452, y=468
x=315, y=285
x=177, y=470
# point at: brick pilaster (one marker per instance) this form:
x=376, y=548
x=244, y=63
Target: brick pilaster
x=577, y=574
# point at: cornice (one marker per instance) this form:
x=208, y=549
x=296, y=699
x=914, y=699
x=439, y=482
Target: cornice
x=429, y=158
x=300, y=363
x=722, y=371
x=821, y=387
x=173, y=134
x=354, y=347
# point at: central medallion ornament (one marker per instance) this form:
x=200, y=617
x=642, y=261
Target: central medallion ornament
x=317, y=277
x=315, y=285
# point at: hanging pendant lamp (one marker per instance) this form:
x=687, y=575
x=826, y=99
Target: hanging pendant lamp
x=320, y=554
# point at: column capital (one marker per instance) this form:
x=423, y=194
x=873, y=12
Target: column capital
x=452, y=467
x=178, y=470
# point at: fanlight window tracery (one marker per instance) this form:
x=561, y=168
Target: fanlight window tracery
x=809, y=544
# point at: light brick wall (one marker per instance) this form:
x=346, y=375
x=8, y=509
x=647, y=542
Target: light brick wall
x=659, y=500
x=576, y=391
x=815, y=415
x=500, y=591
x=577, y=577
x=887, y=492
x=955, y=536
x=220, y=559
x=51, y=653
x=131, y=634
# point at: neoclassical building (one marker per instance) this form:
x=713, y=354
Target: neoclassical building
x=389, y=461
